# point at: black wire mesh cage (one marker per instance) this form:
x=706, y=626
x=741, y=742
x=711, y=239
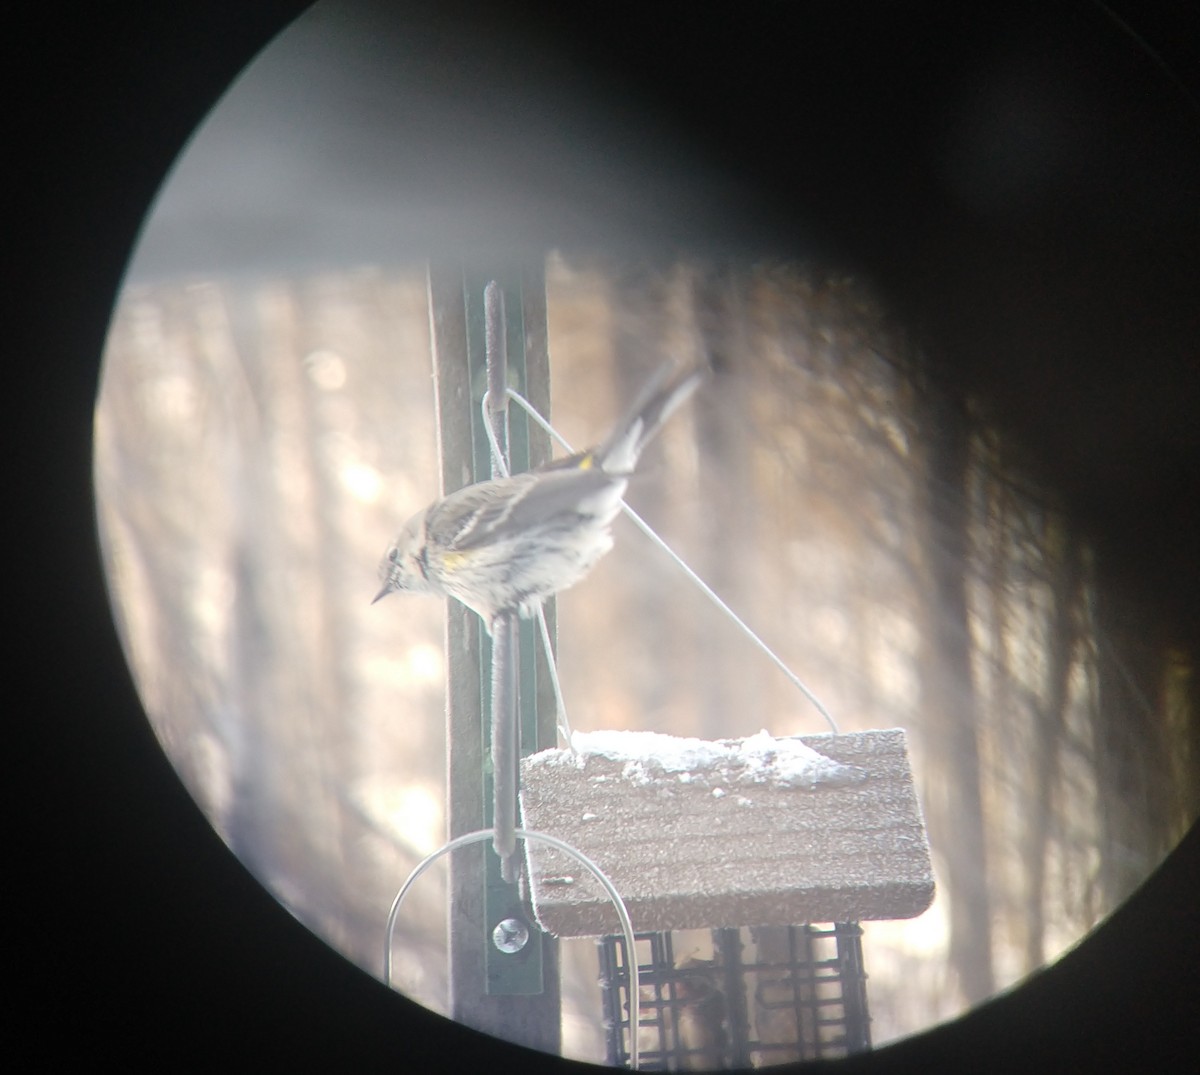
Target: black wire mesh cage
x=765, y=996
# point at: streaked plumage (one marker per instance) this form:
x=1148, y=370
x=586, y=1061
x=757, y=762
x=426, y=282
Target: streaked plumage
x=508, y=544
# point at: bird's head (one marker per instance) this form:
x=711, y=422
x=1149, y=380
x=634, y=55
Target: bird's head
x=402, y=568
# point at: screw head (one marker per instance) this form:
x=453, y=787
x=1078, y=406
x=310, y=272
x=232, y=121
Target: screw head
x=510, y=935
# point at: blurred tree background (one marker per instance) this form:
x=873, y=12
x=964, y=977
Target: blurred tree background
x=259, y=441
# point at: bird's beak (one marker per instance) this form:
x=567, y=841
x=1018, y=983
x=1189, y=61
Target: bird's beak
x=382, y=594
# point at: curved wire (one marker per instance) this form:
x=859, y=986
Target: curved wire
x=564, y=725
x=524, y=834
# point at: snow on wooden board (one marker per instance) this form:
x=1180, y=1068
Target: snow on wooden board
x=698, y=833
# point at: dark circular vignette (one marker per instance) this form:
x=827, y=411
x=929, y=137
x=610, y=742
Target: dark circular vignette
x=140, y=935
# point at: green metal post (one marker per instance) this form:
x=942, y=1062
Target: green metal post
x=497, y=984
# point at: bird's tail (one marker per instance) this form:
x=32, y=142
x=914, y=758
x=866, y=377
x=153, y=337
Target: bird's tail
x=663, y=394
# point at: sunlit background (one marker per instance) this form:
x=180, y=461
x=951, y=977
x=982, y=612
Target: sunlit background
x=265, y=426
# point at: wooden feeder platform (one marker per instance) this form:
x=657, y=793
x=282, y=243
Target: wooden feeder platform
x=726, y=841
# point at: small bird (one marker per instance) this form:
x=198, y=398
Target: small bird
x=683, y=1017
x=701, y=1016
x=507, y=544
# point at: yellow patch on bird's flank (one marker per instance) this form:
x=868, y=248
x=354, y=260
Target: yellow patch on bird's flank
x=587, y=462
x=451, y=560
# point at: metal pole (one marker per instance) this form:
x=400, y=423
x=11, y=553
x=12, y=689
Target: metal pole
x=505, y=751
x=505, y=729
x=496, y=350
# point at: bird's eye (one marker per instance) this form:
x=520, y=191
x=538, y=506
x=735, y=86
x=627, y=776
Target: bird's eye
x=393, y=554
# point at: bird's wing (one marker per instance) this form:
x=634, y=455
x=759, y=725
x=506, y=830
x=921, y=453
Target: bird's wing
x=497, y=510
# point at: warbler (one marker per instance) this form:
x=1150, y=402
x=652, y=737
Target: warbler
x=507, y=544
